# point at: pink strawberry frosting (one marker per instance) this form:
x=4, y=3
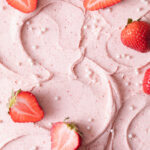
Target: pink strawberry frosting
x=74, y=62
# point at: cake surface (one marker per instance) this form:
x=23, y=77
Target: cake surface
x=74, y=62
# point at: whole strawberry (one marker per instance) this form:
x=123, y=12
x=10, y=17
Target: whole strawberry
x=65, y=136
x=136, y=35
x=23, y=107
x=146, y=82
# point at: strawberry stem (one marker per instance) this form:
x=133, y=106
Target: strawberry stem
x=67, y=118
x=144, y=15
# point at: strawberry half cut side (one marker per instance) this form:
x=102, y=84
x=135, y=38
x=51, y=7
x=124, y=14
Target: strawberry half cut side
x=98, y=4
x=25, y=6
x=24, y=107
x=65, y=136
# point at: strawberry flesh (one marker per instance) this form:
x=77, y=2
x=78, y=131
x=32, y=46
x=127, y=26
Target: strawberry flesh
x=146, y=82
x=25, y=108
x=63, y=137
x=25, y=6
x=99, y=4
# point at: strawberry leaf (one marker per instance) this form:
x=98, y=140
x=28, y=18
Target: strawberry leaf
x=72, y=126
x=129, y=21
x=13, y=98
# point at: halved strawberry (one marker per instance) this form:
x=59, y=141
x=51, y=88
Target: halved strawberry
x=65, y=136
x=146, y=82
x=23, y=107
x=99, y=4
x=25, y=6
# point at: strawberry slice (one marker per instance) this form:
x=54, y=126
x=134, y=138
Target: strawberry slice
x=23, y=107
x=65, y=136
x=99, y=4
x=136, y=35
x=25, y=6
x=146, y=82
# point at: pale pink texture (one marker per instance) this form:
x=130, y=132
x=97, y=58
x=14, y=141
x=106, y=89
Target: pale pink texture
x=76, y=65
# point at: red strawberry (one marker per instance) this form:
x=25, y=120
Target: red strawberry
x=136, y=35
x=146, y=82
x=25, y=6
x=99, y=4
x=23, y=107
x=65, y=136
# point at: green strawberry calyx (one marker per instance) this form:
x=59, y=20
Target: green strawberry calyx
x=13, y=98
x=72, y=126
x=129, y=21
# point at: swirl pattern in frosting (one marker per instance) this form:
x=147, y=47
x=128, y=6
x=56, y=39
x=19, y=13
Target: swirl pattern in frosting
x=74, y=62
